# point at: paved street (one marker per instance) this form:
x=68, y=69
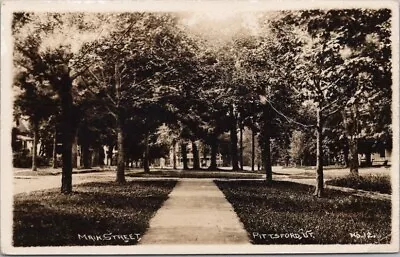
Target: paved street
x=27, y=184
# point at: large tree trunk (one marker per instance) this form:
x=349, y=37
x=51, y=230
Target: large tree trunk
x=196, y=159
x=55, y=149
x=241, y=147
x=35, y=143
x=184, y=156
x=319, y=167
x=253, y=149
x=85, y=155
x=353, y=149
x=121, y=154
x=85, y=151
x=214, y=151
x=368, y=159
x=174, y=154
x=68, y=134
x=351, y=130
x=234, y=141
x=267, y=156
x=75, y=152
x=146, y=161
x=110, y=155
x=120, y=127
x=346, y=155
x=101, y=156
x=205, y=153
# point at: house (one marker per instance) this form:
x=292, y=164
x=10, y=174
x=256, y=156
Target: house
x=21, y=139
x=205, y=161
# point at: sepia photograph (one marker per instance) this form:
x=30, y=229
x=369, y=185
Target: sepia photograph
x=190, y=127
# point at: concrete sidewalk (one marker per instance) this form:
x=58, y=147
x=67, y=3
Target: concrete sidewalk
x=196, y=213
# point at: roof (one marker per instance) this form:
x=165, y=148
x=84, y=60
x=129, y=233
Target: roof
x=24, y=138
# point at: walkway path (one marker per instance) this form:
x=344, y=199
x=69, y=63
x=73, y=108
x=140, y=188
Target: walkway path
x=196, y=213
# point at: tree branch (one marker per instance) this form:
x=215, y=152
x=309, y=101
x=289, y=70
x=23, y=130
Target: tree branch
x=288, y=118
x=108, y=96
x=91, y=63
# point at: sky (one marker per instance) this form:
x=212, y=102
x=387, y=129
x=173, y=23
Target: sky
x=220, y=26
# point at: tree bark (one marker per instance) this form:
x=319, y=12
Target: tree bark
x=267, y=157
x=346, y=154
x=121, y=154
x=319, y=167
x=184, y=156
x=234, y=141
x=55, y=149
x=67, y=125
x=214, y=150
x=351, y=130
x=368, y=160
x=75, y=152
x=85, y=155
x=35, y=126
x=253, y=149
x=196, y=159
x=146, y=161
x=174, y=154
x=120, y=127
x=353, y=149
x=110, y=155
x=205, y=153
x=241, y=147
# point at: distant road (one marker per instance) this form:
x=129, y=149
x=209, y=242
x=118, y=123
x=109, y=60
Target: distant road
x=27, y=184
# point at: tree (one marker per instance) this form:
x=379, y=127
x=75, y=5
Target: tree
x=367, y=60
x=267, y=77
x=297, y=147
x=42, y=49
x=36, y=102
x=324, y=75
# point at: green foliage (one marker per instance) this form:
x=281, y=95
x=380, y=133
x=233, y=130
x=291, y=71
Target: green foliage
x=137, y=71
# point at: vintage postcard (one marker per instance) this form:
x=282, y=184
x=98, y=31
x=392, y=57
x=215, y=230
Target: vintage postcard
x=199, y=127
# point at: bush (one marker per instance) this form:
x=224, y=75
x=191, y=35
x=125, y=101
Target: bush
x=374, y=183
x=23, y=159
x=42, y=161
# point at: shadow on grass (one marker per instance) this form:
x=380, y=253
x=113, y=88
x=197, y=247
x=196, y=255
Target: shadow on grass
x=48, y=218
x=284, y=208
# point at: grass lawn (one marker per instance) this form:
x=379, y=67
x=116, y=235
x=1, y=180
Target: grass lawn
x=288, y=213
x=196, y=174
x=376, y=183
x=94, y=214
